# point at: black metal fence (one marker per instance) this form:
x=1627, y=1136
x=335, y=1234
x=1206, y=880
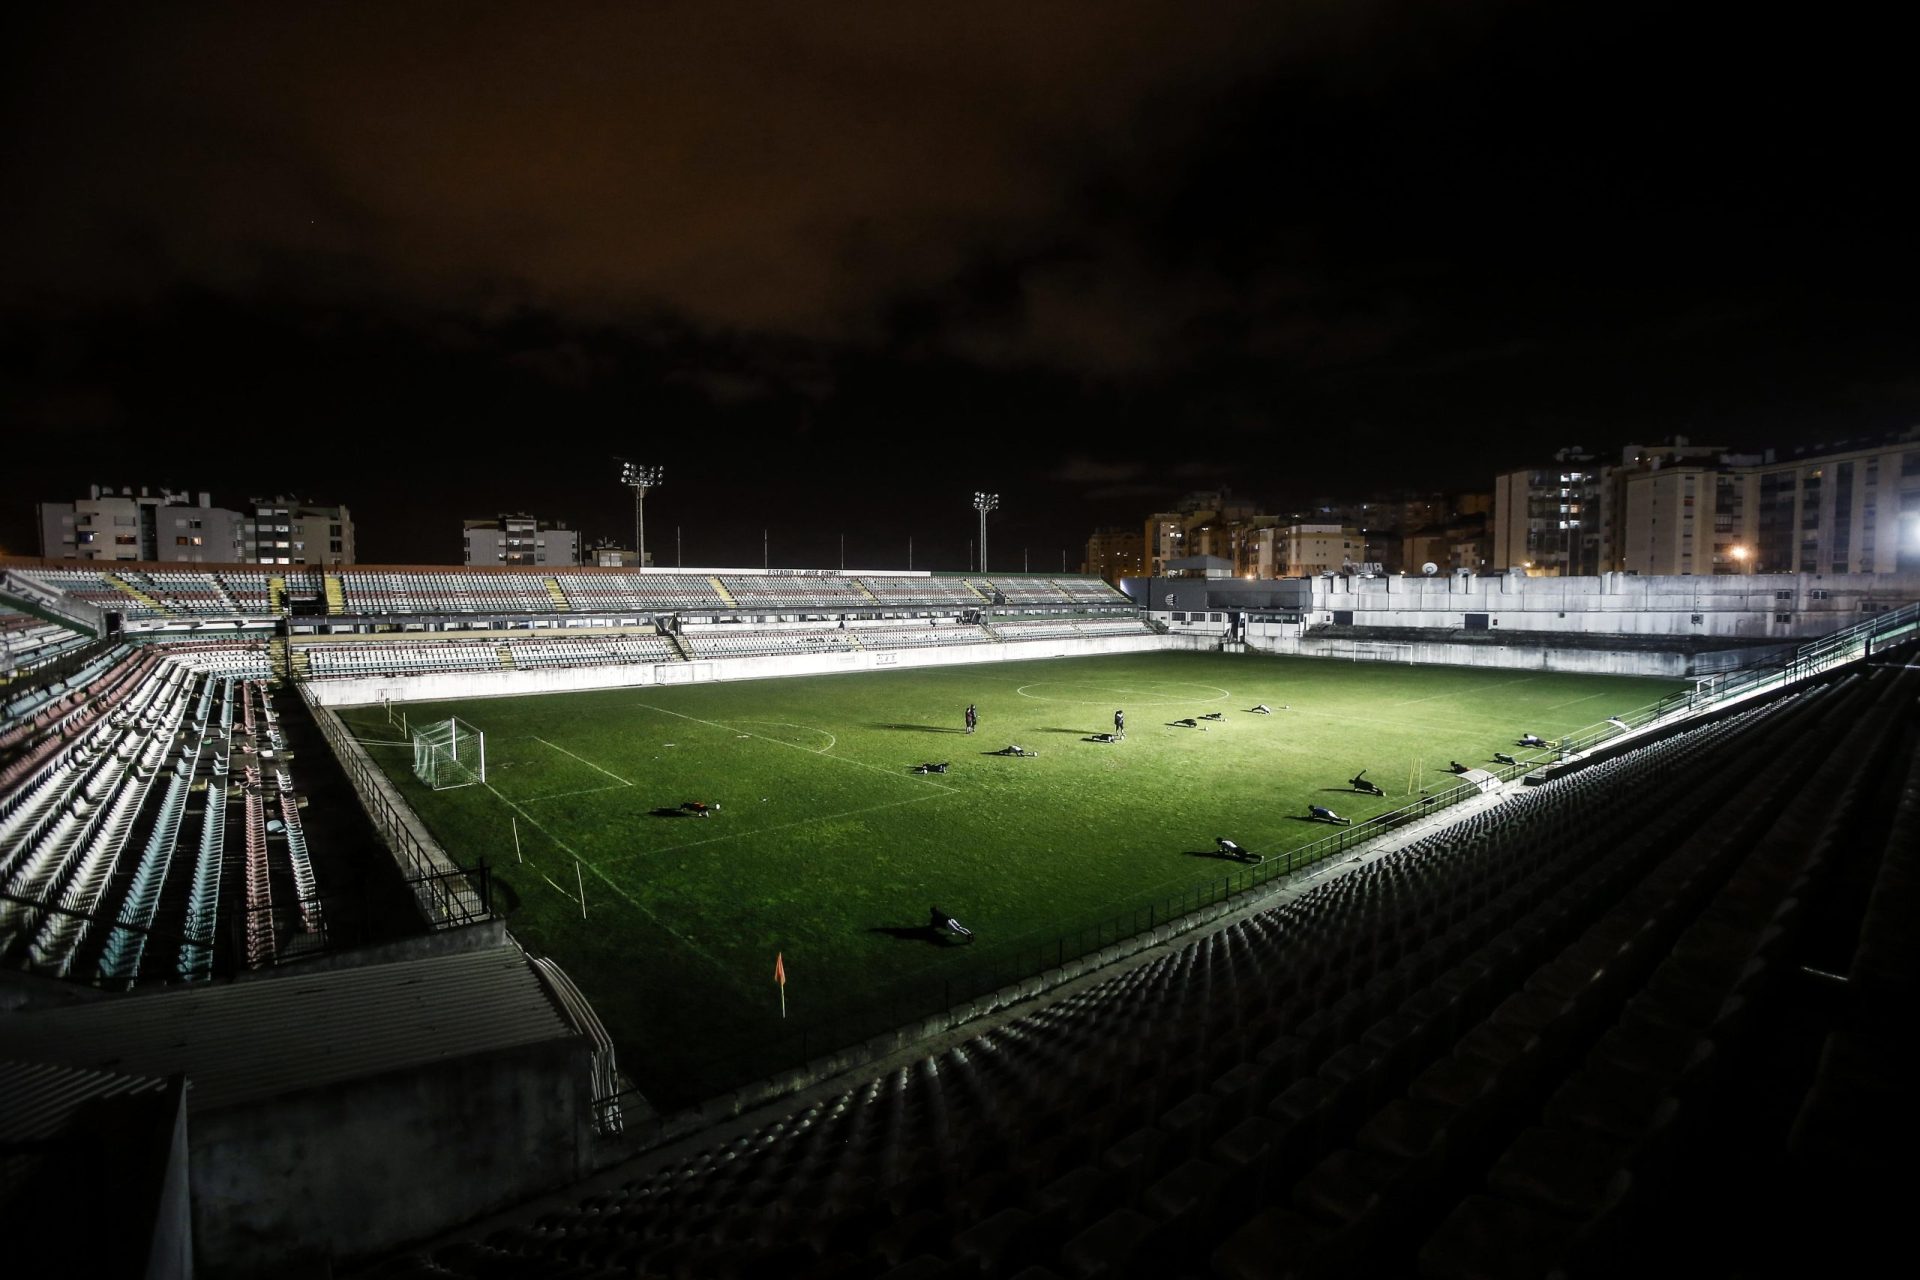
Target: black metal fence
x=451, y=895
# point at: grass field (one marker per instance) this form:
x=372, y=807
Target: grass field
x=828, y=850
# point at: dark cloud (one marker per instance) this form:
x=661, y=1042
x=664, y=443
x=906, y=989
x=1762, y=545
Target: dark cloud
x=1087, y=253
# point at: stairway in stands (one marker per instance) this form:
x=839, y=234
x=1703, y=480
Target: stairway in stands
x=136, y=593
x=560, y=602
x=725, y=594
x=336, y=595
x=277, y=593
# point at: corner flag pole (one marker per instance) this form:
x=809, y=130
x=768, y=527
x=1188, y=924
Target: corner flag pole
x=580, y=884
x=780, y=976
x=515, y=819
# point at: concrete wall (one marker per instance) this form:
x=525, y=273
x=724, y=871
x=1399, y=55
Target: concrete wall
x=1526, y=657
x=348, y=1170
x=1731, y=606
x=501, y=684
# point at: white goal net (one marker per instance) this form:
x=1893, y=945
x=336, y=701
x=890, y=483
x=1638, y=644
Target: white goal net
x=449, y=753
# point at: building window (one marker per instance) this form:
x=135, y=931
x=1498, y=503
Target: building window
x=1783, y=595
x=1783, y=617
x=1819, y=594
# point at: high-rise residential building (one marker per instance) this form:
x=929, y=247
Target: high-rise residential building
x=520, y=539
x=163, y=527
x=1681, y=508
x=1546, y=520
x=293, y=531
x=1115, y=553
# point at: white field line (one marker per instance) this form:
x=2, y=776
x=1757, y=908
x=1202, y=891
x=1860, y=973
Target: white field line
x=562, y=795
x=631, y=901
x=583, y=760
x=858, y=764
x=623, y=859
x=1463, y=693
x=1589, y=698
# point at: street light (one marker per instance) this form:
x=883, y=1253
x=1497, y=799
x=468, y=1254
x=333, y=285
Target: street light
x=983, y=503
x=640, y=479
x=1739, y=554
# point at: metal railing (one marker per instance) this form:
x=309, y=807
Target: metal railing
x=450, y=895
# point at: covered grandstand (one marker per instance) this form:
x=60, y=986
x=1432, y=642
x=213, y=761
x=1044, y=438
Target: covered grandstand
x=1650, y=990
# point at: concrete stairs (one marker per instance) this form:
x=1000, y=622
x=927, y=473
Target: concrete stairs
x=135, y=592
x=560, y=602
x=725, y=594
x=336, y=595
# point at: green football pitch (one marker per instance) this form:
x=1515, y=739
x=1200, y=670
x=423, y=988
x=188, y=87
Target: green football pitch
x=826, y=849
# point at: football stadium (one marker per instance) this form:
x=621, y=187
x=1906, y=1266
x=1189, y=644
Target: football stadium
x=763, y=923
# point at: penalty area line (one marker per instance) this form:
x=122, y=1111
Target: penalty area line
x=630, y=900
x=623, y=859
x=730, y=728
x=583, y=760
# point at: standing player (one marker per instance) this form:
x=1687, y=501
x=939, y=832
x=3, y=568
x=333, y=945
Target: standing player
x=1120, y=725
x=973, y=718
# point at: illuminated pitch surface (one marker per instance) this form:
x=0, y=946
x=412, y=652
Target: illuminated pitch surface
x=825, y=839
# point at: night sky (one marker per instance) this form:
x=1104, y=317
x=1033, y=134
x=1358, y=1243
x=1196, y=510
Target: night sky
x=836, y=266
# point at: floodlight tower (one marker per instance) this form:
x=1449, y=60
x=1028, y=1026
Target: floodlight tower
x=640, y=479
x=983, y=503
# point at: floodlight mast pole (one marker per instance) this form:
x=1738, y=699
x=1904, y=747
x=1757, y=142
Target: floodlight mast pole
x=640, y=479
x=983, y=503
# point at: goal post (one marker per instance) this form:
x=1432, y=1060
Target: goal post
x=449, y=753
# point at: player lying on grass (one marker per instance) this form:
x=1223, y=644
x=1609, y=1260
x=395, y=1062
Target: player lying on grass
x=1532, y=740
x=1013, y=749
x=940, y=921
x=1228, y=849
x=1320, y=813
x=1215, y=715
x=700, y=808
x=1189, y=723
x=931, y=767
x=1359, y=783
x=1103, y=737
x=1504, y=758
x=1260, y=709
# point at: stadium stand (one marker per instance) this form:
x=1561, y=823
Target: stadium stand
x=910, y=634
x=929, y=592
x=1530, y=1042
x=597, y=650
x=628, y=591
x=777, y=592
x=400, y=658
x=94, y=792
x=27, y=642
x=725, y=641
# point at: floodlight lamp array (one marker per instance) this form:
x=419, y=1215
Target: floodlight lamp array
x=985, y=502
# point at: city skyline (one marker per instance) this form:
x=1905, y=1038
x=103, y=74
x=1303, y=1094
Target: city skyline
x=835, y=276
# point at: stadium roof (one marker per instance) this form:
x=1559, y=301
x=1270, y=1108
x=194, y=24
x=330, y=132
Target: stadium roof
x=244, y=1041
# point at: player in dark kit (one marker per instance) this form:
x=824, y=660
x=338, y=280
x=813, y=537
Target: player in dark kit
x=973, y=718
x=1120, y=725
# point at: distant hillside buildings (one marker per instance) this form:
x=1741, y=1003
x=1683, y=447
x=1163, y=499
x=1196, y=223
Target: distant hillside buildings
x=1672, y=509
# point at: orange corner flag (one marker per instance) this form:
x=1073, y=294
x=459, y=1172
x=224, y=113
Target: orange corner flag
x=780, y=976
